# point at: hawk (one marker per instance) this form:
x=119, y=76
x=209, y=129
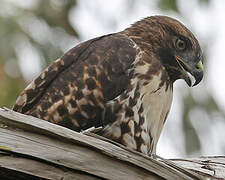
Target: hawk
x=122, y=82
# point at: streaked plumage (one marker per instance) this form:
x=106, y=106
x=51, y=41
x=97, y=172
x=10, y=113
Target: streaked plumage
x=121, y=81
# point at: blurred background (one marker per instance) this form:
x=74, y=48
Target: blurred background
x=33, y=33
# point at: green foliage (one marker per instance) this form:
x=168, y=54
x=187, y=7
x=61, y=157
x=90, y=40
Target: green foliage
x=171, y=5
x=9, y=89
x=192, y=141
x=17, y=24
x=209, y=107
x=168, y=5
x=206, y=2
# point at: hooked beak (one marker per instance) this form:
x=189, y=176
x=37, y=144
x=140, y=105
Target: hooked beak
x=195, y=70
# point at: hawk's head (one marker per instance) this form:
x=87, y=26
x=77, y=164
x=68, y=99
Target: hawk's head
x=173, y=44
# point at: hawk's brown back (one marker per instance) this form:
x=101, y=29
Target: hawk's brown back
x=74, y=90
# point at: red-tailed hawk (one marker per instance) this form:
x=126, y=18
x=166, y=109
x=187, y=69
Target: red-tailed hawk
x=122, y=82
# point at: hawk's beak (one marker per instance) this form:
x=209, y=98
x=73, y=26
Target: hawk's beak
x=195, y=70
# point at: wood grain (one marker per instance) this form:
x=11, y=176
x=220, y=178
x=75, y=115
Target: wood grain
x=54, y=152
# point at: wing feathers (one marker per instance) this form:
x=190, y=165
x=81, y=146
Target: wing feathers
x=37, y=87
x=75, y=89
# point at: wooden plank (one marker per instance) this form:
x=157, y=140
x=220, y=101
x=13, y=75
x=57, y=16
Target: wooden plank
x=83, y=152
x=33, y=168
x=211, y=167
x=69, y=155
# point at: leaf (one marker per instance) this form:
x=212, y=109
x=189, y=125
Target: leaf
x=168, y=5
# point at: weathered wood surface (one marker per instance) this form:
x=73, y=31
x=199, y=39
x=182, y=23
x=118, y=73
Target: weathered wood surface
x=212, y=167
x=30, y=147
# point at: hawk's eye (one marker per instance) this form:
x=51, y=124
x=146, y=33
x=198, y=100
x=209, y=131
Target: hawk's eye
x=180, y=44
